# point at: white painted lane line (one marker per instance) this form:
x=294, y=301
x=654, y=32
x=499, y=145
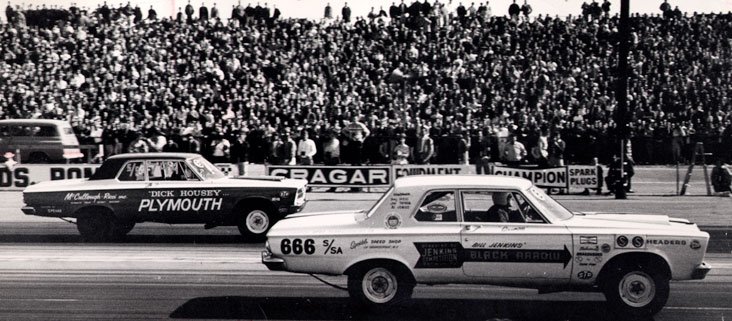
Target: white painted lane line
x=698, y=308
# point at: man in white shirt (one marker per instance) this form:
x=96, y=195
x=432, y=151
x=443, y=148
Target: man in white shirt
x=514, y=152
x=306, y=149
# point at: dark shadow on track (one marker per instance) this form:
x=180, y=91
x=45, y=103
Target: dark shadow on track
x=268, y=308
x=130, y=239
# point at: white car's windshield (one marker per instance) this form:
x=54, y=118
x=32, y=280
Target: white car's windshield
x=205, y=169
x=378, y=203
x=547, y=205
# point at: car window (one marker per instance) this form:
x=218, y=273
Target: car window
x=21, y=130
x=169, y=170
x=493, y=206
x=204, y=168
x=438, y=206
x=45, y=131
x=527, y=211
x=132, y=171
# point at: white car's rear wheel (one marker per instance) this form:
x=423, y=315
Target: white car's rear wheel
x=380, y=285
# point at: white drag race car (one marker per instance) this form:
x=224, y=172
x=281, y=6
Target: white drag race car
x=490, y=230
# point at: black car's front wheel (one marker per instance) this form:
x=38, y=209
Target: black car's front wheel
x=255, y=223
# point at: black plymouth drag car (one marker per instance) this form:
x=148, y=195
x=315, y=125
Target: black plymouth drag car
x=172, y=188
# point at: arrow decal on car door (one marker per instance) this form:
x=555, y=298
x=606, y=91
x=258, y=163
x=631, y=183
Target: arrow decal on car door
x=433, y=255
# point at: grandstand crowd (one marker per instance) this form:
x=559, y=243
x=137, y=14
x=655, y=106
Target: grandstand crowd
x=419, y=82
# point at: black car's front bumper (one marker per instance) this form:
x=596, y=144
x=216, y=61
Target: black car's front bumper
x=272, y=263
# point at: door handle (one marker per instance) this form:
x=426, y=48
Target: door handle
x=471, y=228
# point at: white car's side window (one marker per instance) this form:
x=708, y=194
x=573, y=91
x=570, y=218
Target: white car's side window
x=438, y=206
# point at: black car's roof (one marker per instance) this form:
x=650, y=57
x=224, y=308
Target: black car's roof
x=129, y=156
x=112, y=165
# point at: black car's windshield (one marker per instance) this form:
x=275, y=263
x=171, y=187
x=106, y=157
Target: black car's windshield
x=204, y=168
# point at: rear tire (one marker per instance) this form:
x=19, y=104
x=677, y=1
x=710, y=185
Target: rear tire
x=636, y=290
x=380, y=286
x=102, y=227
x=255, y=223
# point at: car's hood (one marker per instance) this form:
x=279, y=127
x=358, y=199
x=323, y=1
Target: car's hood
x=628, y=221
x=319, y=223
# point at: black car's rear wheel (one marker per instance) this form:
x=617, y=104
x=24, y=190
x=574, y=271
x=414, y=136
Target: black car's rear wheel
x=102, y=227
x=254, y=223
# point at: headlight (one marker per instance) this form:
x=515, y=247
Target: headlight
x=266, y=246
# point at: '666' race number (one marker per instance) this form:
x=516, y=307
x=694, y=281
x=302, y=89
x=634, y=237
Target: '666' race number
x=297, y=246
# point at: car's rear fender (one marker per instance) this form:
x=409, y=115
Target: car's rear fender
x=380, y=260
x=94, y=209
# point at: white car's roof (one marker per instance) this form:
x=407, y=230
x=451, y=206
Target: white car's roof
x=462, y=181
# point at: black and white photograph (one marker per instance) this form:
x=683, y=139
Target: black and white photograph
x=517, y=160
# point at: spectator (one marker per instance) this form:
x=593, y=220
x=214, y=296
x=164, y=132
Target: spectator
x=152, y=14
x=240, y=151
x=214, y=12
x=332, y=149
x=171, y=146
x=721, y=178
x=401, y=151
x=203, y=13
x=464, y=148
x=606, y=7
x=514, y=10
x=328, y=12
x=355, y=133
x=346, y=12
x=515, y=152
x=526, y=9
x=306, y=149
x=139, y=144
x=189, y=12
x=424, y=147
x=613, y=180
x=556, y=151
x=288, y=149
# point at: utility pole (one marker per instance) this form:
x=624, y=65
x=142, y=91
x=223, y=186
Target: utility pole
x=622, y=92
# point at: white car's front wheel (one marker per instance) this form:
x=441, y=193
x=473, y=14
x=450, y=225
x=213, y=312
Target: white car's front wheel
x=380, y=285
x=637, y=290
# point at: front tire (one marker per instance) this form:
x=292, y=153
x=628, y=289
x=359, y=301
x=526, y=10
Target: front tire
x=255, y=224
x=380, y=285
x=636, y=291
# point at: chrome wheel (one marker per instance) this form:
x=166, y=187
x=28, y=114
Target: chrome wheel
x=379, y=285
x=637, y=289
x=257, y=222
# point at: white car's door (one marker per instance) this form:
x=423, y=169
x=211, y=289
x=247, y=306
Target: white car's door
x=515, y=243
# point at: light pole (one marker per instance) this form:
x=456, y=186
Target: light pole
x=622, y=92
